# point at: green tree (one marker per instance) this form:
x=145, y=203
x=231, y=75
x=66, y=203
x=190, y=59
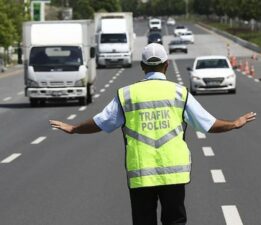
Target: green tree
x=81, y=9
x=11, y=18
x=106, y=5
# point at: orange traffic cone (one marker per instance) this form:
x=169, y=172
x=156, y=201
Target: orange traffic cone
x=235, y=62
x=254, y=56
x=246, y=68
x=252, y=71
x=240, y=66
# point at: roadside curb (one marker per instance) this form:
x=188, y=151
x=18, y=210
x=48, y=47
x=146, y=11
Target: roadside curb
x=236, y=39
x=12, y=71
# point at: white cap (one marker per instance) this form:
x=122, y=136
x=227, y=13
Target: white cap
x=154, y=54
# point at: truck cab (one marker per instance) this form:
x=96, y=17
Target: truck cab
x=59, y=61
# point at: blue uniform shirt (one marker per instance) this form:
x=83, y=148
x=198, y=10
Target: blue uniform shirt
x=195, y=115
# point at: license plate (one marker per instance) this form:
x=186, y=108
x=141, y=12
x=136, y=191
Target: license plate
x=213, y=83
x=56, y=93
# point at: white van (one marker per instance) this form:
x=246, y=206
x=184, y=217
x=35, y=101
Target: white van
x=155, y=24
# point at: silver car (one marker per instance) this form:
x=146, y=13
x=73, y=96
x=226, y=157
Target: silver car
x=177, y=45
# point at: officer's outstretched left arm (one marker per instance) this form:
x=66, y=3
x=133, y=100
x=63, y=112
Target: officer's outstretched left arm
x=224, y=125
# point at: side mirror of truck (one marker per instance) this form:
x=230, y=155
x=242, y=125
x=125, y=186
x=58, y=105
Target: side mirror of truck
x=92, y=52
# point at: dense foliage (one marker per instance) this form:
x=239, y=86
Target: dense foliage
x=12, y=12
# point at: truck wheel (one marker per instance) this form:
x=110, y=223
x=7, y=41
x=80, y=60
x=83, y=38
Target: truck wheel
x=89, y=93
x=82, y=101
x=33, y=102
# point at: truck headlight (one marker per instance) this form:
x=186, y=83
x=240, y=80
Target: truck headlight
x=32, y=83
x=80, y=83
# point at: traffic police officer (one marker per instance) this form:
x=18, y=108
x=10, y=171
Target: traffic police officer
x=153, y=114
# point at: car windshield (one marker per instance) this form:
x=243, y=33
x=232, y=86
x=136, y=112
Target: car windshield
x=212, y=64
x=180, y=27
x=155, y=22
x=56, y=56
x=113, y=38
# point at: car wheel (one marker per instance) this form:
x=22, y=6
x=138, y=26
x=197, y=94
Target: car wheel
x=233, y=91
x=33, y=102
x=193, y=92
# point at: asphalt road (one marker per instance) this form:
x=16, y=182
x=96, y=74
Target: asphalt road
x=51, y=178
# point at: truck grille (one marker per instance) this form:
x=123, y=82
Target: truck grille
x=56, y=84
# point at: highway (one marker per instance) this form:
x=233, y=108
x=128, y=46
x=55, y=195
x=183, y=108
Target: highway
x=51, y=178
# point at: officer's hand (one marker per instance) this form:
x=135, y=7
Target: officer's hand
x=62, y=126
x=241, y=121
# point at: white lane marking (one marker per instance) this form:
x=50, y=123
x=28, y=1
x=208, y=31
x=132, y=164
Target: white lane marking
x=38, y=140
x=71, y=117
x=181, y=83
x=83, y=108
x=96, y=96
x=175, y=67
x=54, y=128
x=257, y=80
x=111, y=81
x=179, y=78
x=102, y=90
x=114, y=78
x=218, y=176
x=250, y=77
x=20, y=93
x=208, y=151
x=106, y=85
x=7, y=99
x=231, y=215
x=200, y=135
x=11, y=158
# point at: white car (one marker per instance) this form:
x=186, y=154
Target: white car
x=180, y=29
x=155, y=24
x=212, y=74
x=187, y=37
x=171, y=21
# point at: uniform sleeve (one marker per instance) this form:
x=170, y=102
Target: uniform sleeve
x=196, y=116
x=111, y=117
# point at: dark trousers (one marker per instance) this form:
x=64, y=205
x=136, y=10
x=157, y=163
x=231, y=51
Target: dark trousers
x=144, y=205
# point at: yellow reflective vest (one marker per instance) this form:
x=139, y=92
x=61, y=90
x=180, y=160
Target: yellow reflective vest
x=156, y=153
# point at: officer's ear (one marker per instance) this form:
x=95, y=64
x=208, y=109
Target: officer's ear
x=143, y=66
x=165, y=66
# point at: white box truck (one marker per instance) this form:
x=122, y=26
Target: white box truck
x=59, y=60
x=114, y=38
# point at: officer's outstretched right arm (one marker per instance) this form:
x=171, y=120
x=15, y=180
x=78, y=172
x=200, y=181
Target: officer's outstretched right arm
x=87, y=127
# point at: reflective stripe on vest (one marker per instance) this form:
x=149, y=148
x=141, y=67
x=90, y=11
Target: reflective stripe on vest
x=149, y=141
x=158, y=171
x=152, y=104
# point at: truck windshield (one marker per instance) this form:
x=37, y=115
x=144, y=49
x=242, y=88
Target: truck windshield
x=113, y=38
x=65, y=58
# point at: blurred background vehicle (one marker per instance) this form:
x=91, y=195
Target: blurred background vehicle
x=155, y=24
x=212, y=74
x=187, y=37
x=2, y=66
x=155, y=37
x=177, y=45
x=180, y=29
x=171, y=21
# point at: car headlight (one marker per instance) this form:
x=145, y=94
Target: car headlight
x=195, y=78
x=80, y=83
x=32, y=83
x=231, y=76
